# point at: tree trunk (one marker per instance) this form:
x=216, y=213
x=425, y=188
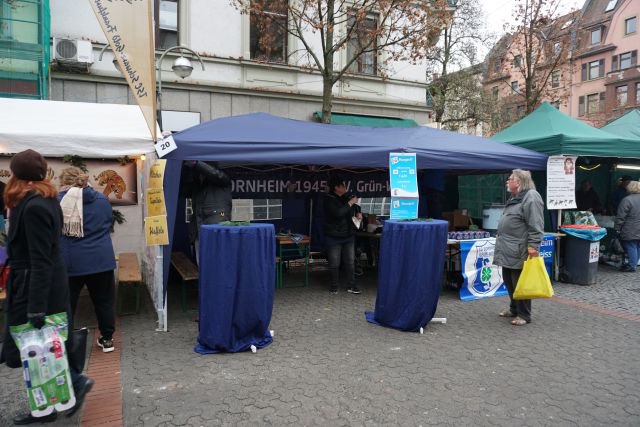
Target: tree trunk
x=327, y=98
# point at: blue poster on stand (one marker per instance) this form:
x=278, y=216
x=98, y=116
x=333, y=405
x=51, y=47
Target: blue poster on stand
x=404, y=208
x=403, y=177
x=547, y=249
x=482, y=279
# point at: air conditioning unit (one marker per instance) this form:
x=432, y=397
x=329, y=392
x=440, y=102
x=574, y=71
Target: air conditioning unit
x=73, y=52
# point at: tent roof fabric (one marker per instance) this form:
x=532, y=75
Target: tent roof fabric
x=371, y=121
x=547, y=130
x=56, y=128
x=627, y=125
x=260, y=138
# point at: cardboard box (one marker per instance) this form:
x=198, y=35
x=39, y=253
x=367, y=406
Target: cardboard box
x=457, y=219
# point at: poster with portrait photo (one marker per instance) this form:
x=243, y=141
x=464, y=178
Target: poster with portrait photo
x=116, y=180
x=561, y=182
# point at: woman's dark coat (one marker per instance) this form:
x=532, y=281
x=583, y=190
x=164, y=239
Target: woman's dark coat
x=38, y=279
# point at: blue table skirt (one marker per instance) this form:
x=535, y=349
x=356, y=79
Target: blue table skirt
x=410, y=272
x=237, y=281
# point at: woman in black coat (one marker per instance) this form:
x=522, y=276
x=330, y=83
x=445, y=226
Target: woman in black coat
x=37, y=284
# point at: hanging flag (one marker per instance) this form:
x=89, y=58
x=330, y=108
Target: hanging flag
x=128, y=26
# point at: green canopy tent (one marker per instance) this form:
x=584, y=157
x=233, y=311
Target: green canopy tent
x=547, y=130
x=627, y=125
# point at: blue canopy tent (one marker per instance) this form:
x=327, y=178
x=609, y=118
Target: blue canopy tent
x=262, y=139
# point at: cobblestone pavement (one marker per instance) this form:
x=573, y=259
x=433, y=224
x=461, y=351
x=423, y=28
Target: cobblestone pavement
x=577, y=363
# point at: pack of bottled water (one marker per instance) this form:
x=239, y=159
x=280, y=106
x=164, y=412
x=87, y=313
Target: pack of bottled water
x=45, y=365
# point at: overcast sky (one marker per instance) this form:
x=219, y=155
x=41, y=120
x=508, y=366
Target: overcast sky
x=498, y=12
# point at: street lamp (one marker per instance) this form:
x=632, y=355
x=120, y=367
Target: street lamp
x=181, y=67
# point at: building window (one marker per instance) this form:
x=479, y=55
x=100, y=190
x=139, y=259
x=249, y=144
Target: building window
x=624, y=60
x=556, y=104
x=256, y=209
x=557, y=47
x=596, y=36
x=593, y=70
x=6, y=24
x=367, y=62
x=514, y=87
x=520, y=111
x=621, y=96
x=268, y=32
x=595, y=102
x=494, y=92
x=380, y=206
x=630, y=25
x=517, y=61
x=497, y=65
x=555, y=79
x=638, y=93
x=167, y=34
x=611, y=5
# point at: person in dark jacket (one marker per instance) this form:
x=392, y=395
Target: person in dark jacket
x=620, y=193
x=587, y=199
x=210, y=190
x=87, y=249
x=627, y=224
x=338, y=234
x=520, y=233
x=37, y=284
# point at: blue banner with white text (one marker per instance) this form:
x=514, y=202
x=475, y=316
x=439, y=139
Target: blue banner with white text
x=547, y=249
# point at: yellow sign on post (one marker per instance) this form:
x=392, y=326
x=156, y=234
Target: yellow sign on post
x=155, y=202
x=156, y=230
x=156, y=174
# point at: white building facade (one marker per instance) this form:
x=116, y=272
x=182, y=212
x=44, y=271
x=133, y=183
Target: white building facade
x=232, y=83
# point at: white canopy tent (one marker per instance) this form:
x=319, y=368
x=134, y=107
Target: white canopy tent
x=56, y=128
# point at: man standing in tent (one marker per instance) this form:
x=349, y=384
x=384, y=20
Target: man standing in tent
x=211, y=193
x=338, y=234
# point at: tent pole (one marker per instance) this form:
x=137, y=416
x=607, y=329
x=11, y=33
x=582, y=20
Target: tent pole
x=310, y=215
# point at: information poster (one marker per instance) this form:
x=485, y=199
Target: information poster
x=156, y=174
x=403, y=175
x=561, y=182
x=155, y=223
x=403, y=180
x=155, y=202
x=156, y=231
x=404, y=208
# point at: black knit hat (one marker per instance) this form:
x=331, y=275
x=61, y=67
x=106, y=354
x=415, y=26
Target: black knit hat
x=29, y=165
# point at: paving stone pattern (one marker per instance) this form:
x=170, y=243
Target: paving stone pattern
x=574, y=365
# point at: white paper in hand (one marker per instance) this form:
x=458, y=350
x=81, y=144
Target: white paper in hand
x=356, y=222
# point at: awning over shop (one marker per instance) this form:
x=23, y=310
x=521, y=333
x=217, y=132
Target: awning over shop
x=627, y=125
x=547, y=130
x=370, y=121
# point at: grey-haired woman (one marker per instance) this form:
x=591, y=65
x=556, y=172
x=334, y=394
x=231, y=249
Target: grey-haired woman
x=520, y=233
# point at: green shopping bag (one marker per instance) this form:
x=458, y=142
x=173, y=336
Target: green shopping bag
x=534, y=281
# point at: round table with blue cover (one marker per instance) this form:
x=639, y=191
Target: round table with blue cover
x=411, y=265
x=237, y=281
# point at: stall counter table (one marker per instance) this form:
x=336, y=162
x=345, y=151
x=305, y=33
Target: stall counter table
x=237, y=281
x=410, y=273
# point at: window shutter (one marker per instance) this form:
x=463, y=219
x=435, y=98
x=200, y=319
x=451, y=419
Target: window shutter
x=601, y=68
x=634, y=58
x=584, y=72
x=581, y=106
x=601, y=105
x=614, y=63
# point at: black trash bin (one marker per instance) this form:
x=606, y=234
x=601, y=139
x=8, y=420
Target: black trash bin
x=580, y=261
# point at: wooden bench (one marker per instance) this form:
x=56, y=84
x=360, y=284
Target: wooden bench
x=188, y=272
x=129, y=272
